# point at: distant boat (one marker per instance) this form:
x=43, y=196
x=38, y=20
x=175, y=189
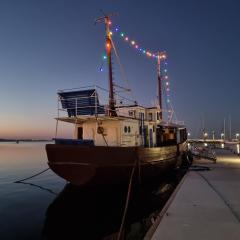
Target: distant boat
x=111, y=140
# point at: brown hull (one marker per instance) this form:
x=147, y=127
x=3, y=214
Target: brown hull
x=97, y=165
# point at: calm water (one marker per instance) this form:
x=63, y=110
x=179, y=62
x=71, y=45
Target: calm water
x=49, y=208
x=23, y=207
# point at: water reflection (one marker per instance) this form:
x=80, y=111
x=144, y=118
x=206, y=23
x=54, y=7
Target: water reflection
x=28, y=211
x=93, y=213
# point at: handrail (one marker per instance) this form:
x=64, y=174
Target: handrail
x=73, y=105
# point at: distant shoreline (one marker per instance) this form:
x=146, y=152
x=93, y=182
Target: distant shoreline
x=25, y=140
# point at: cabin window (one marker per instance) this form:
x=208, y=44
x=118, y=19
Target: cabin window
x=158, y=116
x=129, y=129
x=153, y=128
x=125, y=129
x=131, y=113
x=150, y=116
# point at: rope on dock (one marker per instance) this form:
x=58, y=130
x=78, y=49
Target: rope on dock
x=127, y=199
x=22, y=180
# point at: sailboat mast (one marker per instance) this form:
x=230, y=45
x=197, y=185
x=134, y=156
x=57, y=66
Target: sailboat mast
x=159, y=85
x=111, y=111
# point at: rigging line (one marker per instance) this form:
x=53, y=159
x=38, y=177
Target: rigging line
x=56, y=129
x=127, y=198
x=123, y=73
x=169, y=104
x=173, y=112
x=102, y=132
x=165, y=100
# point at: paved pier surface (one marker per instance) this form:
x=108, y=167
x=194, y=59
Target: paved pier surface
x=206, y=205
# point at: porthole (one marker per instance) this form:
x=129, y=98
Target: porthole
x=129, y=129
x=125, y=129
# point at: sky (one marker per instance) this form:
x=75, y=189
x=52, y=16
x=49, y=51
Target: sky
x=49, y=45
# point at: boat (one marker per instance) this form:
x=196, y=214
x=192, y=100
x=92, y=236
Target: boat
x=115, y=140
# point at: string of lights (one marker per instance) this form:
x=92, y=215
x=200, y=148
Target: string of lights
x=116, y=31
x=134, y=44
x=166, y=87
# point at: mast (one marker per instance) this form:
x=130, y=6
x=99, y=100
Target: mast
x=108, y=46
x=160, y=55
x=159, y=85
x=112, y=111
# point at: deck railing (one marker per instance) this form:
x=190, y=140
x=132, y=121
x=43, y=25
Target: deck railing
x=94, y=100
x=90, y=100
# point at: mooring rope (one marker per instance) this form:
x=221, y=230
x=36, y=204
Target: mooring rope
x=127, y=199
x=41, y=187
x=22, y=180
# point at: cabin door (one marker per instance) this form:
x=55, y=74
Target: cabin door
x=80, y=133
x=145, y=136
x=150, y=137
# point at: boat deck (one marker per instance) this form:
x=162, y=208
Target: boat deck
x=206, y=205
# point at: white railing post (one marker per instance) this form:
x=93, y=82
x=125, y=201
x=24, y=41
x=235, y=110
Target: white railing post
x=76, y=108
x=96, y=101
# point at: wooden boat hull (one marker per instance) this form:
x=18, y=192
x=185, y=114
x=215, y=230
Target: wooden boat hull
x=99, y=165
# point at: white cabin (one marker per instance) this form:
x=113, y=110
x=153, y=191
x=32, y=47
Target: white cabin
x=134, y=125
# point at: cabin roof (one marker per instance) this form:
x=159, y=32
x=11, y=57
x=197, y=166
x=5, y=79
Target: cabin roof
x=130, y=106
x=174, y=125
x=152, y=108
x=83, y=119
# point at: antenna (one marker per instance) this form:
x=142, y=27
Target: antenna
x=105, y=15
x=224, y=129
x=107, y=21
x=230, y=128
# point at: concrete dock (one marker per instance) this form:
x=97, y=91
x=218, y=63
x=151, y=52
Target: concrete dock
x=206, y=205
